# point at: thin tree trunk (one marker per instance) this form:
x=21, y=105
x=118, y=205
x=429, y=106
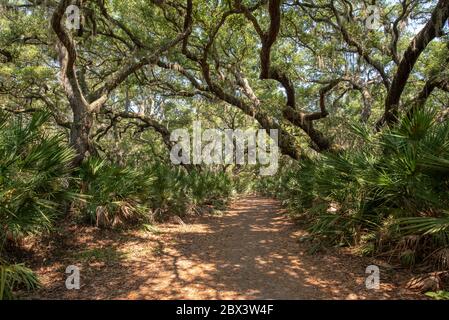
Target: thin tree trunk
x=80, y=133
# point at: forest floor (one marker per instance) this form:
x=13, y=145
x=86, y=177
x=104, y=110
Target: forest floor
x=250, y=251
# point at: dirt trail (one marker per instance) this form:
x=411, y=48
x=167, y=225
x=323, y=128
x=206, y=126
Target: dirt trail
x=249, y=252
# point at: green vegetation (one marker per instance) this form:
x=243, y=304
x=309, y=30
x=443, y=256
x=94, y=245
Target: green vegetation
x=439, y=295
x=35, y=167
x=13, y=276
x=107, y=255
x=34, y=179
x=86, y=116
x=387, y=193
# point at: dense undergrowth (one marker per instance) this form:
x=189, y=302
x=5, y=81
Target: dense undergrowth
x=39, y=186
x=117, y=195
x=387, y=194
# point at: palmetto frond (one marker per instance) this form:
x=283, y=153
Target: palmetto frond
x=34, y=175
x=34, y=183
x=388, y=179
x=13, y=276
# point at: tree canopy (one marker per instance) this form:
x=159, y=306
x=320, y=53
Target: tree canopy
x=92, y=90
x=301, y=67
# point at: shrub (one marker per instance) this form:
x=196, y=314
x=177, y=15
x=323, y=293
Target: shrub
x=35, y=175
x=13, y=276
x=34, y=180
x=115, y=194
x=389, y=187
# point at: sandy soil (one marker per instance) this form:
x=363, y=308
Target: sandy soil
x=251, y=251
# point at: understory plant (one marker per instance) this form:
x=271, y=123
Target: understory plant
x=387, y=194
x=114, y=194
x=35, y=174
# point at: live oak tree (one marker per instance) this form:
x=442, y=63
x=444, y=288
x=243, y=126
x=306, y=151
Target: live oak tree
x=232, y=65
x=359, y=91
x=84, y=101
x=297, y=66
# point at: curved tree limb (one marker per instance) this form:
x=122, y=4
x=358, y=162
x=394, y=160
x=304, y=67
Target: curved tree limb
x=432, y=29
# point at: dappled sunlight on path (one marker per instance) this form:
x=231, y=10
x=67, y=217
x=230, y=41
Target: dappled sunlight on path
x=249, y=252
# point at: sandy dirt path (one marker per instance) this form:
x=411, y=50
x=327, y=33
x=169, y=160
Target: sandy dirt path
x=251, y=251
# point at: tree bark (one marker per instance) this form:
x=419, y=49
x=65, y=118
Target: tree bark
x=83, y=103
x=432, y=29
x=80, y=133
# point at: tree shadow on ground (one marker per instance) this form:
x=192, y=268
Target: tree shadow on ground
x=251, y=252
